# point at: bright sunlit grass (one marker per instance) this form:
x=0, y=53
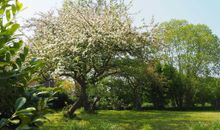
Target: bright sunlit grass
x=132, y=120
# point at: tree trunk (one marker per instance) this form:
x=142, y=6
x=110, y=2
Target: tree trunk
x=93, y=107
x=74, y=107
x=137, y=103
x=136, y=100
x=85, y=100
x=81, y=102
x=179, y=102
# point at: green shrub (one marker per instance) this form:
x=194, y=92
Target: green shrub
x=23, y=118
x=58, y=97
x=15, y=72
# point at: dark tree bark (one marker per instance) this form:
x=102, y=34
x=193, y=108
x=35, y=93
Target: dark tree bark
x=74, y=107
x=85, y=100
x=136, y=99
x=82, y=101
x=137, y=103
x=179, y=101
x=93, y=106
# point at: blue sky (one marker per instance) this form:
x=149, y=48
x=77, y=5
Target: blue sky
x=195, y=11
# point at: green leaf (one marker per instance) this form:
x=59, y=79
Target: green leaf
x=16, y=121
x=25, y=120
x=26, y=110
x=11, y=30
x=8, y=24
x=8, y=57
x=20, y=102
x=2, y=11
x=18, y=62
x=43, y=93
x=14, y=28
x=39, y=122
x=24, y=114
x=22, y=57
x=17, y=45
x=2, y=64
x=26, y=50
x=14, y=10
x=37, y=62
x=8, y=15
x=19, y=5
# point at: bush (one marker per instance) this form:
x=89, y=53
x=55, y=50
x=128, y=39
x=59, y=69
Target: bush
x=23, y=118
x=15, y=72
x=30, y=116
x=59, y=97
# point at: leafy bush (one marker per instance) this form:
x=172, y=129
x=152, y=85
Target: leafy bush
x=56, y=97
x=23, y=118
x=14, y=72
x=31, y=117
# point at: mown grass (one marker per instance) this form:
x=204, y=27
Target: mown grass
x=133, y=120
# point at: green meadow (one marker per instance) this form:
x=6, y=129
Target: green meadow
x=133, y=120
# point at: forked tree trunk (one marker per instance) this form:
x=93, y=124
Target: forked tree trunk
x=74, y=107
x=81, y=102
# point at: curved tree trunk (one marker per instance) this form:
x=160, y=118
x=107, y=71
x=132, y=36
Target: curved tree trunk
x=74, y=107
x=81, y=102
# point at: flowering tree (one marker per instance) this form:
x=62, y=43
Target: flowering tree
x=87, y=40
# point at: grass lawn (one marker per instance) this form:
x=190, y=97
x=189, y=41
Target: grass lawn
x=132, y=120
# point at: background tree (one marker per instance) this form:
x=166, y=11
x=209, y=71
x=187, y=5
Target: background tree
x=191, y=49
x=157, y=85
x=133, y=73
x=115, y=93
